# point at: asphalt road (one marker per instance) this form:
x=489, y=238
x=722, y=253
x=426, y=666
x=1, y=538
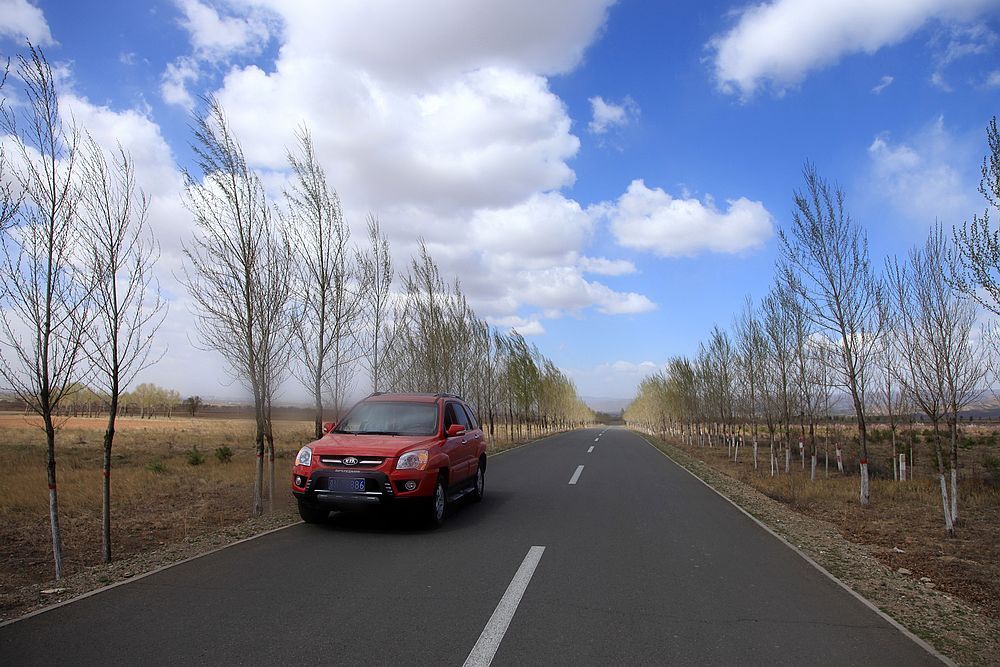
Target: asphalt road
x=642, y=564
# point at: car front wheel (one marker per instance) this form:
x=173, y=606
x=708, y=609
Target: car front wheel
x=439, y=504
x=312, y=514
x=480, y=489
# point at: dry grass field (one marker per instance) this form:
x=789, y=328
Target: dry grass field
x=158, y=498
x=904, y=520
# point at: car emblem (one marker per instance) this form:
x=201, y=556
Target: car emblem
x=350, y=461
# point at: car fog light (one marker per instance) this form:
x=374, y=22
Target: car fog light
x=300, y=480
x=410, y=485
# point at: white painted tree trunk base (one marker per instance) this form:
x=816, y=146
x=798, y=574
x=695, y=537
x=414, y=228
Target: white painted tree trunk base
x=954, y=496
x=865, y=494
x=948, y=523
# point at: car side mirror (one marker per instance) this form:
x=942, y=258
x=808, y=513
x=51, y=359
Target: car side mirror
x=455, y=429
x=328, y=426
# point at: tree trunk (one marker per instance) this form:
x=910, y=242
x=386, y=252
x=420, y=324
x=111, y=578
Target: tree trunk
x=949, y=526
x=895, y=468
x=269, y=435
x=318, y=406
x=258, y=481
x=954, y=469
x=774, y=462
x=755, y=453
x=948, y=521
x=50, y=461
x=865, y=496
x=812, y=473
x=109, y=437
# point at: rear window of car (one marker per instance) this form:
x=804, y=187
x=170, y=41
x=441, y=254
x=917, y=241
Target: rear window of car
x=391, y=418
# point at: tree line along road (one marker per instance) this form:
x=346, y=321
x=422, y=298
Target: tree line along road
x=590, y=547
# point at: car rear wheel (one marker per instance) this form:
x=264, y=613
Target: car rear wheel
x=438, y=505
x=312, y=514
x=480, y=489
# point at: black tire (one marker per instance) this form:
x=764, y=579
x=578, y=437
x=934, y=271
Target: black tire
x=437, y=508
x=313, y=514
x=479, y=490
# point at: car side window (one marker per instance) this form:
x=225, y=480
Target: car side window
x=455, y=409
x=473, y=422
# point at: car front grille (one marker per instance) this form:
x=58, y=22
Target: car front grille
x=363, y=461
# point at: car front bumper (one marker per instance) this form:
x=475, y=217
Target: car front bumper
x=380, y=487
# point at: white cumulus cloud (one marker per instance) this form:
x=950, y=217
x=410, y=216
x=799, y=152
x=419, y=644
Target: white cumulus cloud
x=20, y=20
x=607, y=115
x=606, y=267
x=214, y=35
x=923, y=176
x=780, y=42
x=652, y=220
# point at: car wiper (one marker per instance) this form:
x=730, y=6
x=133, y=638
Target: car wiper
x=337, y=430
x=378, y=433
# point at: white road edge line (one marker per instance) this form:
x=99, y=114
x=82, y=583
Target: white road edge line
x=576, y=475
x=591, y=449
x=489, y=641
x=597, y=438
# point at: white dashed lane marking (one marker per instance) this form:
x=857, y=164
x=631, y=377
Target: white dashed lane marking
x=489, y=641
x=576, y=475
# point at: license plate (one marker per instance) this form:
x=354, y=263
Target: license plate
x=347, y=484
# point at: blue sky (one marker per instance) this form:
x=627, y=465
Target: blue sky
x=606, y=177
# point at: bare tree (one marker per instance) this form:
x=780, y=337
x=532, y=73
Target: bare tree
x=375, y=332
x=120, y=253
x=752, y=346
x=935, y=338
x=807, y=376
x=890, y=389
x=237, y=272
x=324, y=305
x=10, y=200
x=781, y=347
x=825, y=259
x=44, y=313
x=977, y=244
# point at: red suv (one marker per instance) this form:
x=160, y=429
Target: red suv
x=424, y=449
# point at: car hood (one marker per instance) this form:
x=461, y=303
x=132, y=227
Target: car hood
x=371, y=445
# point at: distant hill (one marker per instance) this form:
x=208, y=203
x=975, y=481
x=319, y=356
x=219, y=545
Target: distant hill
x=605, y=404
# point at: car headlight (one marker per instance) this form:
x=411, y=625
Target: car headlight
x=412, y=460
x=304, y=457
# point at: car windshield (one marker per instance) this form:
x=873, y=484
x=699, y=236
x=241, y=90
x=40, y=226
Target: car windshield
x=388, y=418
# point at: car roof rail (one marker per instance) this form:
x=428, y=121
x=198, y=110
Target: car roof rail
x=444, y=394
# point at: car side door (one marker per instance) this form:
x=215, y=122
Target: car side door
x=475, y=440
x=456, y=446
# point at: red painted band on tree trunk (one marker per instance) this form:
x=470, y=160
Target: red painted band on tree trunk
x=106, y=473
x=260, y=456
x=52, y=487
x=864, y=462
